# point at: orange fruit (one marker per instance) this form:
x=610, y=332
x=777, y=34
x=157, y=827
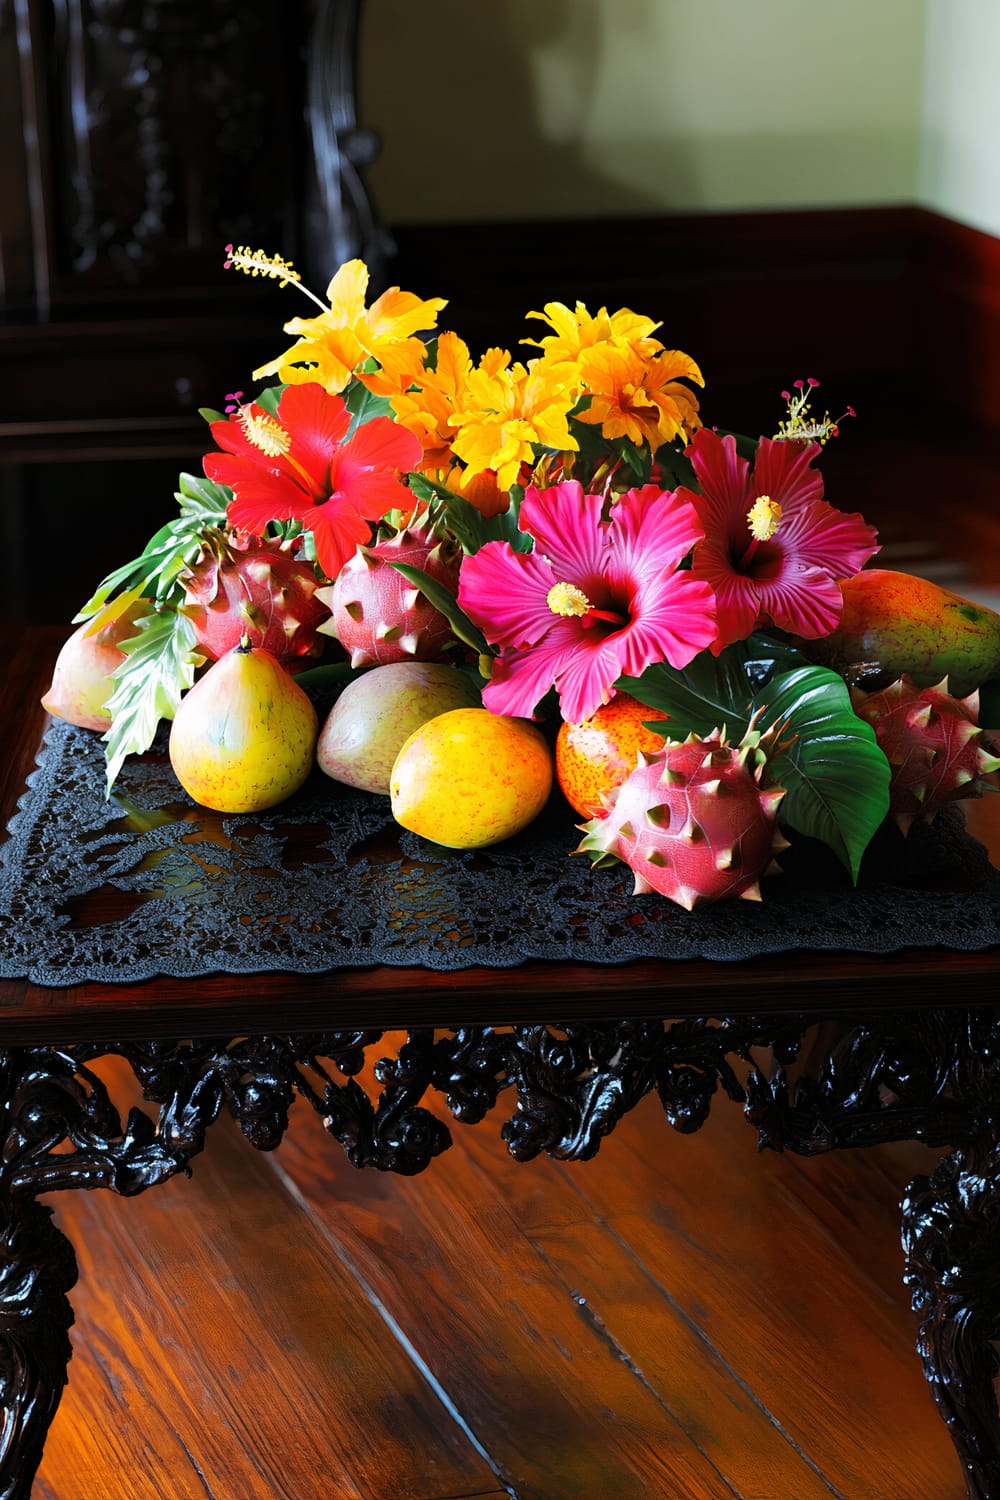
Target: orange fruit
x=597, y=755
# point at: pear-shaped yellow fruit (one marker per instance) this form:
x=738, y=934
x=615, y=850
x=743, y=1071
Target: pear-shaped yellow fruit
x=244, y=737
x=469, y=778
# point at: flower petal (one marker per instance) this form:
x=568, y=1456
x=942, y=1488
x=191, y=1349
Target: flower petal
x=576, y=661
x=371, y=492
x=318, y=423
x=260, y=494
x=737, y=606
x=505, y=593
x=566, y=526
x=651, y=531
x=782, y=470
x=827, y=538
x=801, y=599
x=338, y=530
x=384, y=444
x=673, y=619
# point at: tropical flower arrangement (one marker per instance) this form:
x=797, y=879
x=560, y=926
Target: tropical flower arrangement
x=668, y=619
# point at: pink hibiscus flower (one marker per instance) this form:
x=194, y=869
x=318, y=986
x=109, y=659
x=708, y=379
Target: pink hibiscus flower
x=297, y=466
x=774, y=550
x=594, y=600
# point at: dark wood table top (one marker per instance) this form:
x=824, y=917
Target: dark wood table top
x=390, y=998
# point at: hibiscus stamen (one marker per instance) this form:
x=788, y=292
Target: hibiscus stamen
x=572, y=603
x=799, y=426
x=265, y=432
x=274, y=267
x=268, y=436
x=566, y=599
x=763, y=519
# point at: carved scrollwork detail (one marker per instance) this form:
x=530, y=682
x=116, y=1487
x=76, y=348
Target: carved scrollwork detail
x=574, y=1083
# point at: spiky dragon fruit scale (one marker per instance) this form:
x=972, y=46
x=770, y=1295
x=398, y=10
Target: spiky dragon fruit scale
x=936, y=749
x=693, y=822
x=377, y=615
x=259, y=587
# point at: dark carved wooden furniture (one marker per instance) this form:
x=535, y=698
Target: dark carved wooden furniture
x=838, y=1049
x=136, y=141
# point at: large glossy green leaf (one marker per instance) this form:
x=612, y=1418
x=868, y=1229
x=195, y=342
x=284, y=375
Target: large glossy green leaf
x=713, y=692
x=835, y=777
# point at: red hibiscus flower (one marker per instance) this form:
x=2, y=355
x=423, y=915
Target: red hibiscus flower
x=774, y=550
x=298, y=466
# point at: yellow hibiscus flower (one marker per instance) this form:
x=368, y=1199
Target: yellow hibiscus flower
x=579, y=330
x=511, y=409
x=330, y=347
x=641, y=399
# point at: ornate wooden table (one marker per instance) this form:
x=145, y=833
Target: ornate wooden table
x=839, y=1048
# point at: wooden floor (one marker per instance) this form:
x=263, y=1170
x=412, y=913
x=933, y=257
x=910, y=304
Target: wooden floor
x=681, y=1318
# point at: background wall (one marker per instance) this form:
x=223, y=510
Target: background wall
x=960, y=138
x=549, y=108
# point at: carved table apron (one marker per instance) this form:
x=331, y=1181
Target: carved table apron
x=821, y=1050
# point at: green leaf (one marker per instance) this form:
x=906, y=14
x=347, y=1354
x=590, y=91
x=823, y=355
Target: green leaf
x=363, y=406
x=836, y=779
x=443, y=600
x=210, y=415
x=198, y=496
x=676, y=468
x=470, y=528
x=159, y=666
x=329, y=675
x=269, y=398
x=713, y=692
x=639, y=460
x=989, y=703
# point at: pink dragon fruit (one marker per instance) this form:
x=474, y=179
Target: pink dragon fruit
x=254, y=586
x=378, y=616
x=692, y=821
x=936, y=750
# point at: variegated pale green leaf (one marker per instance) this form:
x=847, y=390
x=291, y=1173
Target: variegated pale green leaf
x=159, y=666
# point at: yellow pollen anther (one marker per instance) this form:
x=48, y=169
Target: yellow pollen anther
x=764, y=518
x=265, y=433
x=567, y=599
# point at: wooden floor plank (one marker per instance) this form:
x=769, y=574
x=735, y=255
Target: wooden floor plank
x=802, y=1298
x=557, y=1408
x=854, y=1372
x=221, y=1352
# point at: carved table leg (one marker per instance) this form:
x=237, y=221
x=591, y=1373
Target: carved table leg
x=37, y=1269
x=951, y=1239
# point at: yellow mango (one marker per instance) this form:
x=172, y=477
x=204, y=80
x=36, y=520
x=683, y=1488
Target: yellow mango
x=469, y=778
x=896, y=622
x=244, y=737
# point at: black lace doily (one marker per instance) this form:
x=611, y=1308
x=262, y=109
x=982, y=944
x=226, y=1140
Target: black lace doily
x=328, y=880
